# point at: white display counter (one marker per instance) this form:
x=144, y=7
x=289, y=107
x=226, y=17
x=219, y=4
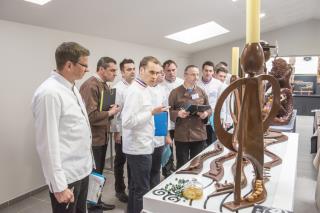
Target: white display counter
x=280, y=187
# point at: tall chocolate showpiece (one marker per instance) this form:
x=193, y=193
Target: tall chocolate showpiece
x=247, y=137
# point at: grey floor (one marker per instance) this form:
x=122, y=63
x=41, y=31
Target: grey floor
x=304, y=190
x=306, y=174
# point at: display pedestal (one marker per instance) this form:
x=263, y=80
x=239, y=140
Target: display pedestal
x=280, y=187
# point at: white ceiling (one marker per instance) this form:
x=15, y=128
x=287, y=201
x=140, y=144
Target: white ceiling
x=148, y=21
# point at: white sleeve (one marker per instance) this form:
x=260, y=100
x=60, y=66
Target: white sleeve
x=116, y=121
x=223, y=113
x=47, y=112
x=165, y=103
x=228, y=113
x=133, y=114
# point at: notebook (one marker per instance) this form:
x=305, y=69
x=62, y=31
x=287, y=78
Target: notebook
x=161, y=124
x=193, y=109
x=107, y=98
x=264, y=209
x=96, y=183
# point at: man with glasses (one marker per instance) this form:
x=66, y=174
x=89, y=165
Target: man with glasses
x=190, y=130
x=63, y=136
x=91, y=91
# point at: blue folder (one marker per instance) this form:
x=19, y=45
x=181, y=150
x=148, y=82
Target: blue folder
x=161, y=124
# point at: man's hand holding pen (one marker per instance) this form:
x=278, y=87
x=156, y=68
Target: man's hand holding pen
x=66, y=196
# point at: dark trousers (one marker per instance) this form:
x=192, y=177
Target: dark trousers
x=80, y=192
x=99, y=155
x=187, y=150
x=211, y=135
x=156, y=166
x=139, y=183
x=170, y=165
x=119, y=161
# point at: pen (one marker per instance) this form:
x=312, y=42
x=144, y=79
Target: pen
x=72, y=188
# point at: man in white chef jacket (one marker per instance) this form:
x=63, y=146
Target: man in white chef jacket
x=170, y=82
x=62, y=129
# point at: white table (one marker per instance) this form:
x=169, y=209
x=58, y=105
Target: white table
x=280, y=187
x=290, y=127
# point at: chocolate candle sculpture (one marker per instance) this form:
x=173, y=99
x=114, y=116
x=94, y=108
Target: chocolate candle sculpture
x=247, y=138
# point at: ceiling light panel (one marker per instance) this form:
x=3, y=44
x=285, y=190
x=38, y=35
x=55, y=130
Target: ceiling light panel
x=198, y=33
x=40, y=2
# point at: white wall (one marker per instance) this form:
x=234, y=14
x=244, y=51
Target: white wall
x=299, y=39
x=27, y=57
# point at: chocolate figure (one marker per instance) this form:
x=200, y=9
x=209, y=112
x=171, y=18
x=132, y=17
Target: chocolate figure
x=282, y=71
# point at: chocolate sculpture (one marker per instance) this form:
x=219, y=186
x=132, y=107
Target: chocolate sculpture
x=247, y=138
x=270, y=138
x=216, y=171
x=196, y=165
x=226, y=187
x=282, y=71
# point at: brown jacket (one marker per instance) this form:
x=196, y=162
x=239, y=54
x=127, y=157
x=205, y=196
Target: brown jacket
x=90, y=91
x=191, y=128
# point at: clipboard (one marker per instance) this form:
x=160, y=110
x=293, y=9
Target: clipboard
x=193, y=109
x=161, y=124
x=265, y=209
x=96, y=183
x=107, y=98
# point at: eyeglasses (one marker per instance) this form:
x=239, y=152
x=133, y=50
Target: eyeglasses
x=83, y=65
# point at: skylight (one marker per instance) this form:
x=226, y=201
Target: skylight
x=40, y=2
x=198, y=33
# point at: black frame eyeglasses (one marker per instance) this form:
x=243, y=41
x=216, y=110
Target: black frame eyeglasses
x=83, y=65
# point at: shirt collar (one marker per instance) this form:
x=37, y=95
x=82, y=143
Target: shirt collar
x=141, y=82
x=189, y=88
x=206, y=82
x=62, y=80
x=125, y=82
x=170, y=82
x=98, y=78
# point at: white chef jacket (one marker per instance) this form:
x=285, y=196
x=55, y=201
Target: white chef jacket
x=137, y=120
x=63, y=134
x=213, y=89
x=168, y=87
x=159, y=98
x=121, y=88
